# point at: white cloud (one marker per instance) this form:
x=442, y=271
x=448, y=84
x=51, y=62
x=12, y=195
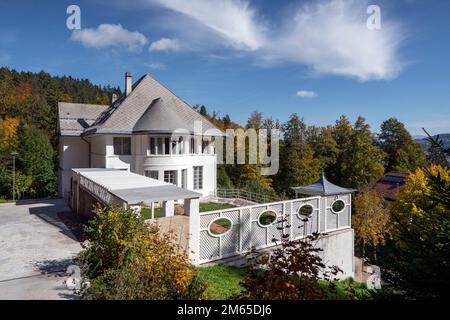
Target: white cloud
x=164, y=44
x=110, y=35
x=306, y=94
x=155, y=65
x=328, y=36
x=233, y=20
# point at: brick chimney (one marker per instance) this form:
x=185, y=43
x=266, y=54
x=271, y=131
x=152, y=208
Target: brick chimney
x=128, y=83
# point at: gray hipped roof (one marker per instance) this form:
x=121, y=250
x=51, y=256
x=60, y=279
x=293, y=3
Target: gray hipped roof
x=75, y=117
x=322, y=187
x=150, y=107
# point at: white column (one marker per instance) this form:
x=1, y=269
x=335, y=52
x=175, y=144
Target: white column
x=191, y=208
x=168, y=208
x=153, y=211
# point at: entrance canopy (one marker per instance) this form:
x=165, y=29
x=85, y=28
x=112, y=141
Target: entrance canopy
x=322, y=187
x=131, y=188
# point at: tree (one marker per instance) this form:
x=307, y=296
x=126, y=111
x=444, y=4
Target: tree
x=359, y=159
x=323, y=144
x=36, y=159
x=223, y=180
x=437, y=152
x=402, y=153
x=370, y=220
x=290, y=272
x=203, y=111
x=417, y=258
x=298, y=166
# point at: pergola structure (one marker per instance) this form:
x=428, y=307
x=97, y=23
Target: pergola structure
x=126, y=189
x=321, y=187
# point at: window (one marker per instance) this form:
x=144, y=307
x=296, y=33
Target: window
x=122, y=146
x=192, y=145
x=220, y=226
x=152, y=174
x=183, y=178
x=338, y=206
x=267, y=218
x=170, y=176
x=167, y=145
x=198, y=178
x=160, y=146
x=181, y=145
x=205, y=145
x=152, y=146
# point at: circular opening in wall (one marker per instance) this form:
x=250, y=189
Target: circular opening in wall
x=220, y=226
x=338, y=206
x=305, y=211
x=266, y=218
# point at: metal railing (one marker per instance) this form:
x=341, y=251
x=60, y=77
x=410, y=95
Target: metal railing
x=244, y=195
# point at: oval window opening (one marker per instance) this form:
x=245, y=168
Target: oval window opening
x=306, y=210
x=338, y=206
x=220, y=226
x=267, y=218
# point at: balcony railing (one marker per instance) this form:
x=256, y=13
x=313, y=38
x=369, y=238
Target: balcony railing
x=244, y=195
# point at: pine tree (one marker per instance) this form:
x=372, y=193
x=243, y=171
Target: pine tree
x=402, y=153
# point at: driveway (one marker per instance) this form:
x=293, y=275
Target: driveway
x=35, y=250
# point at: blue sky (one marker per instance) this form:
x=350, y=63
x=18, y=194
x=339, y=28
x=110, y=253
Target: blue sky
x=315, y=58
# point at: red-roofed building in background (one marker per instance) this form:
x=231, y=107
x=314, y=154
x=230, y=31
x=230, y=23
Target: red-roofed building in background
x=388, y=185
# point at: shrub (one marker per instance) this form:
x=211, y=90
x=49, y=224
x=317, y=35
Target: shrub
x=126, y=259
x=290, y=272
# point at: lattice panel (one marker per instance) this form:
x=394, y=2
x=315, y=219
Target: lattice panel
x=256, y=211
x=298, y=228
x=233, y=215
x=322, y=220
x=205, y=219
x=245, y=229
x=332, y=220
x=313, y=223
x=343, y=217
x=278, y=208
x=258, y=234
x=209, y=246
x=273, y=232
x=230, y=241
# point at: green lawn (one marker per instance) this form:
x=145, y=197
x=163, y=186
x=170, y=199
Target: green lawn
x=204, y=206
x=5, y=201
x=222, y=281
x=212, y=206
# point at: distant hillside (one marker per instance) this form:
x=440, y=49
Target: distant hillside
x=33, y=97
x=445, y=137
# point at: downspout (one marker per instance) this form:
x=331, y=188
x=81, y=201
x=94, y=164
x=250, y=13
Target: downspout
x=89, y=144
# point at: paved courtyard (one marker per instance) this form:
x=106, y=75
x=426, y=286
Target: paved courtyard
x=35, y=250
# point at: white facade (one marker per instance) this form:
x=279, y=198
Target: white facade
x=178, y=164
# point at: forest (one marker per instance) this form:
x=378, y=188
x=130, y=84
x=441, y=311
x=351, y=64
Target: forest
x=350, y=153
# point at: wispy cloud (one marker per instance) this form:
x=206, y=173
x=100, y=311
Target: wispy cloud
x=155, y=65
x=306, y=94
x=110, y=35
x=164, y=44
x=328, y=36
x=234, y=20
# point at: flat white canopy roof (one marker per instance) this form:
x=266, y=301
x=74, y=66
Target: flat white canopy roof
x=134, y=188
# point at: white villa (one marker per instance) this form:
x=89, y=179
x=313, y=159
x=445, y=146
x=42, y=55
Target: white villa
x=135, y=133
x=127, y=155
